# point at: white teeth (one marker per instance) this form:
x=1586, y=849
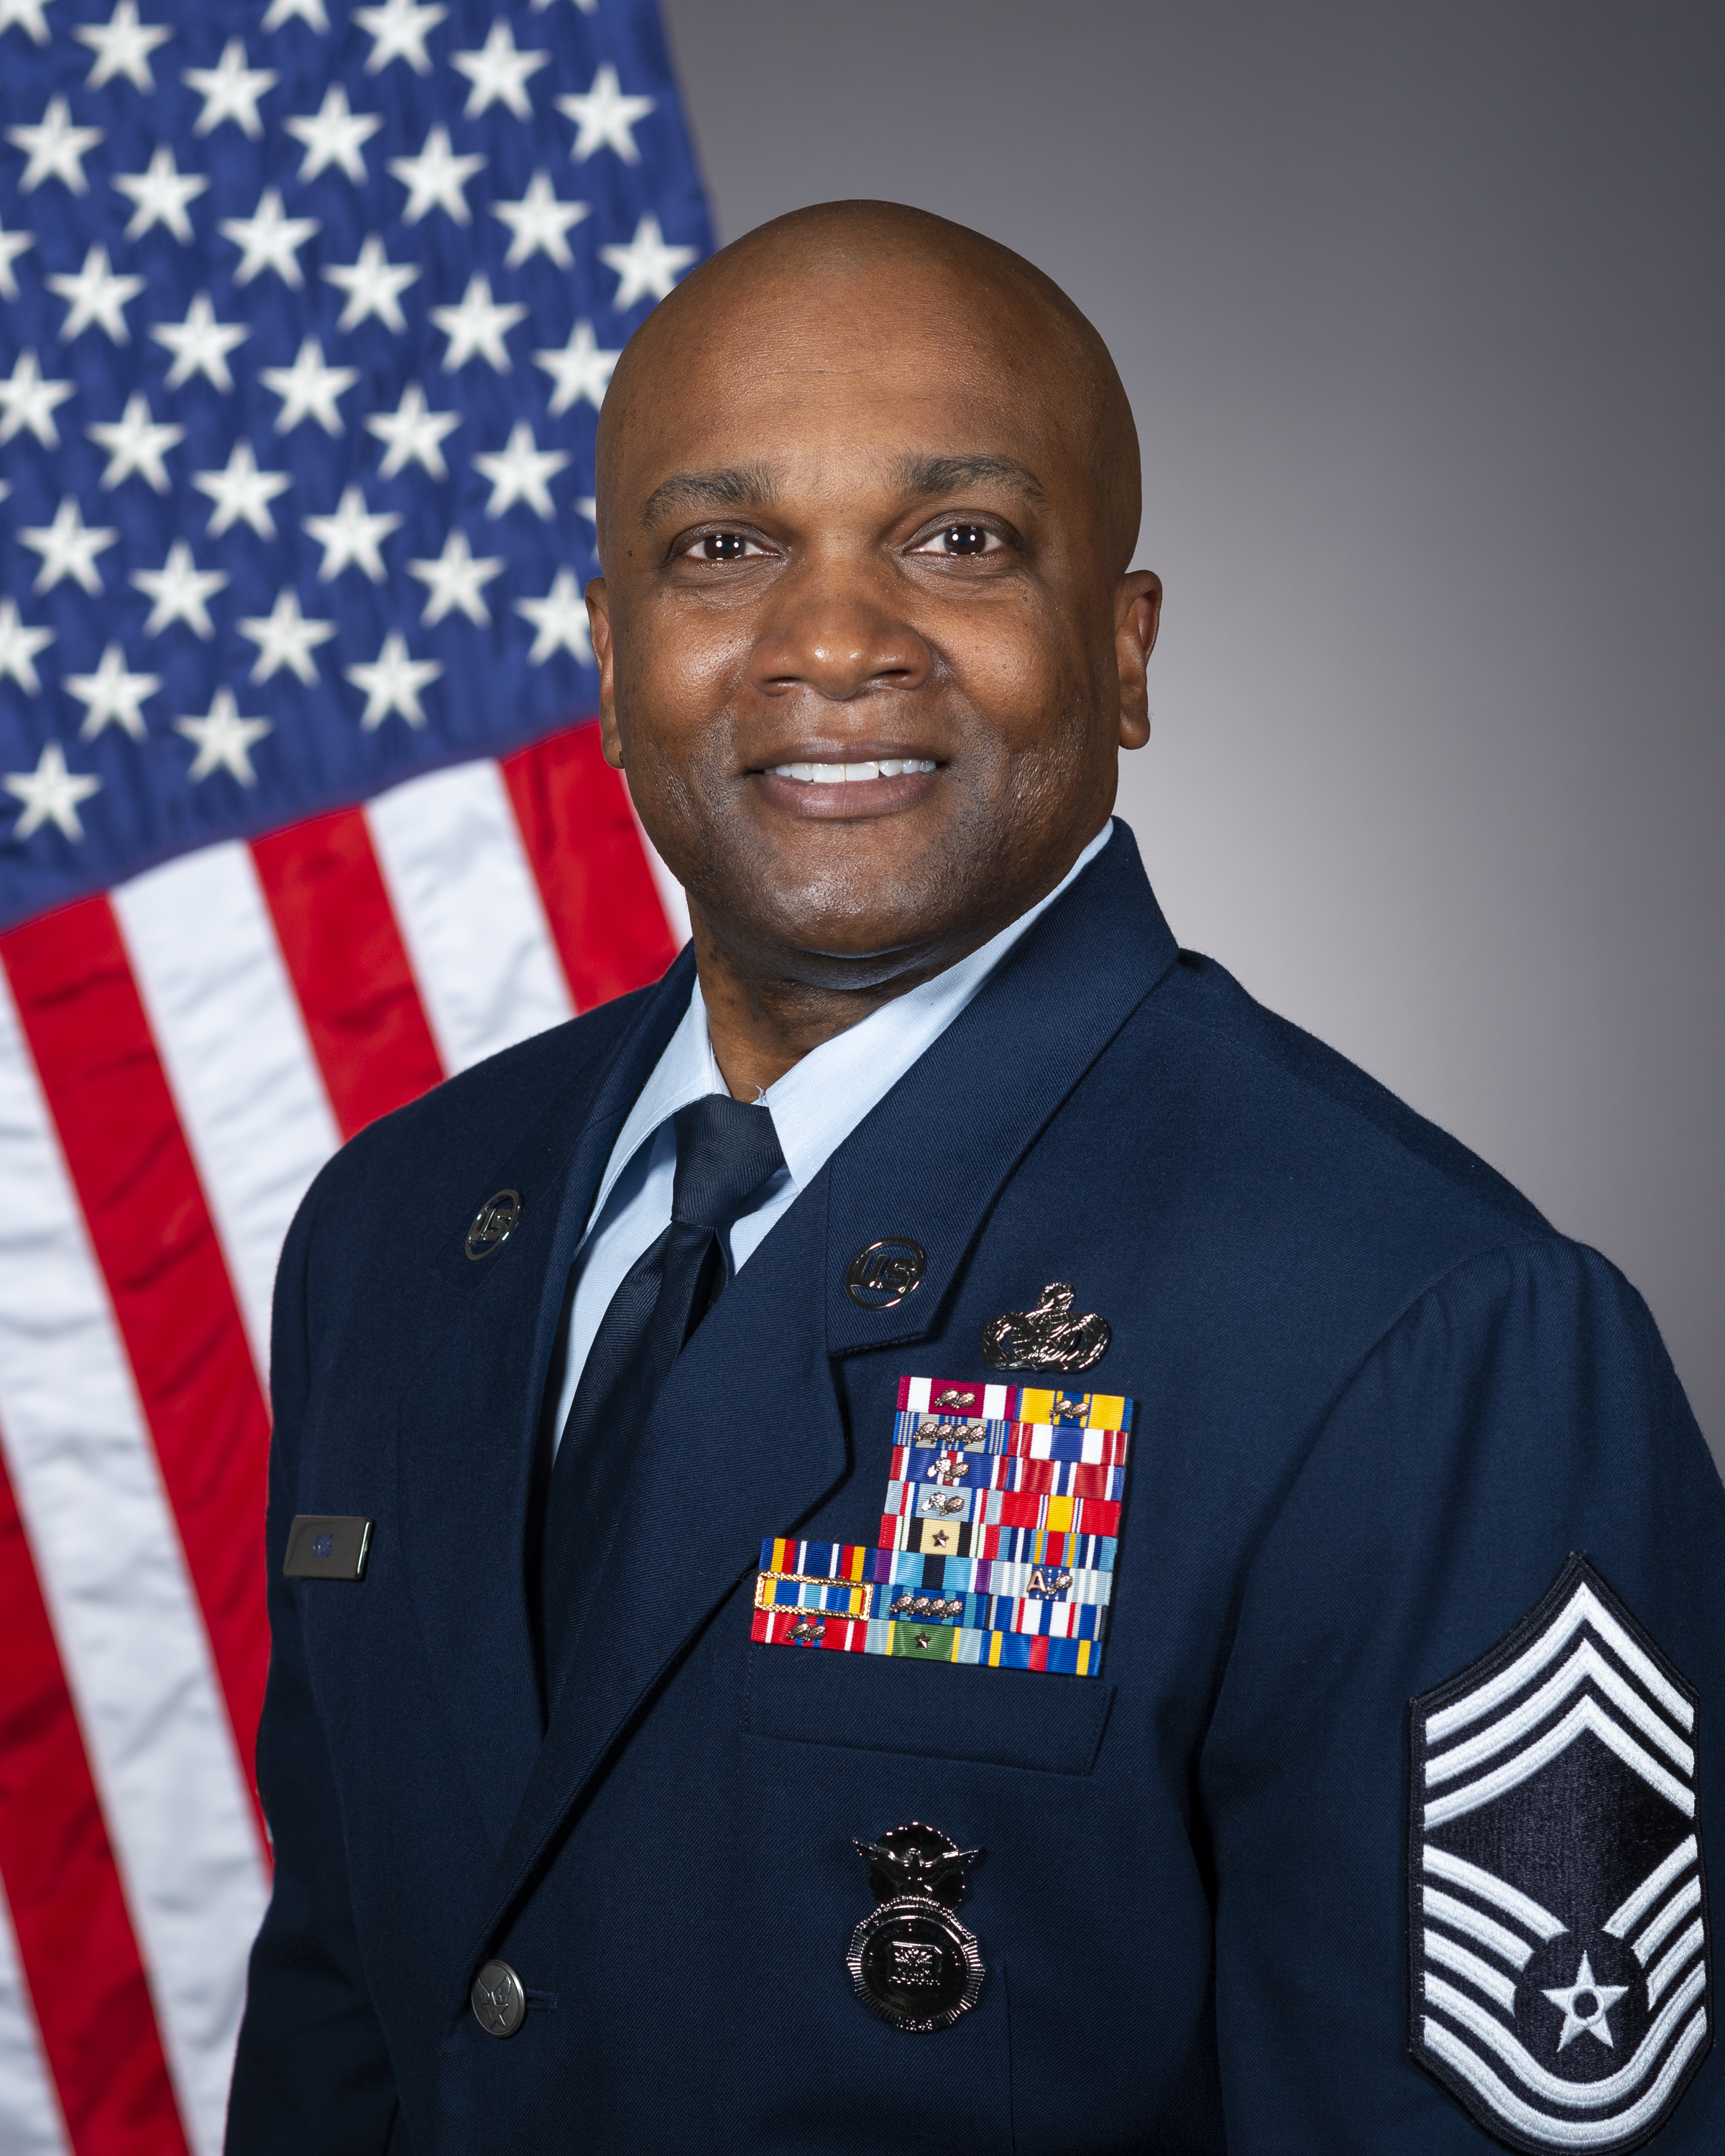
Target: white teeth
x=841, y=774
x=855, y=771
x=826, y=774
x=892, y=766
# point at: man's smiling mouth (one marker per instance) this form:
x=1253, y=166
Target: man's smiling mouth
x=842, y=774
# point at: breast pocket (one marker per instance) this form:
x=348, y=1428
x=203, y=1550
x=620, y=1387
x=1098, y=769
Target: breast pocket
x=998, y=1717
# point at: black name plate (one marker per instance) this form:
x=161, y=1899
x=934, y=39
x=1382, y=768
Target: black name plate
x=322, y=1547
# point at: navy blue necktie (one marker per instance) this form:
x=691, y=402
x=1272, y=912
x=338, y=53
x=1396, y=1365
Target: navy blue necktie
x=726, y=1150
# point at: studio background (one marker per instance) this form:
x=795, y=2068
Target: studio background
x=1420, y=311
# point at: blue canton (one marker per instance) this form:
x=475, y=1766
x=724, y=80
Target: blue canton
x=306, y=313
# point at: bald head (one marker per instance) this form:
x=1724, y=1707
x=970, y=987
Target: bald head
x=829, y=286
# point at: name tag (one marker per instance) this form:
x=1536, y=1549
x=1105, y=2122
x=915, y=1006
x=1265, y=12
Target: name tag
x=325, y=1547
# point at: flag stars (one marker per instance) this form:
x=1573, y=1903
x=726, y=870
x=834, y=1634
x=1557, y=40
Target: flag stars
x=498, y=74
x=477, y=327
x=436, y=179
x=578, y=369
x=200, y=345
x=560, y=621
x=135, y=444
x=11, y=245
x=648, y=267
x=28, y=402
x=112, y=696
x=455, y=582
x=19, y=644
x=230, y=90
x=179, y=592
x=520, y=471
x=269, y=239
x=393, y=682
x=308, y=389
x=605, y=118
x=397, y=31
x=55, y=149
x=95, y=296
x=241, y=493
x=122, y=46
x=224, y=740
x=312, y=13
x=538, y=222
x=412, y=433
x=374, y=285
x=25, y=15
x=160, y=194
x=50, y=794
x=68, y=547
x=284, y=637
x=352, y=536
x=334, y=134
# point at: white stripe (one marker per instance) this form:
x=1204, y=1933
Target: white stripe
x=1539, y=2127
x=1585, y=1714
x=994, y=1403
x=234, y=1046
x=1447, y=1910
x=1586, y=1662
x=1553, y=2089
x=1479, y=1974
x=29, y=2115
x=1584, y=1607
x=917, y=1395
x=671, y=896
x=1659, y=1977
x=1622, y=1921
x=130, y=1635
x=1490, y=1887
x=1666, y=1921
x=469, y=911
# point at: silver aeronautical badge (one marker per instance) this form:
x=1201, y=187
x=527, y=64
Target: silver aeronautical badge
x=1558, y=1936
x=1050, y=1336
x=910, y=1960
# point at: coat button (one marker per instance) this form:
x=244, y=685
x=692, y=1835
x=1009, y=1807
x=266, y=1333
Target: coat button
x=500, y=2006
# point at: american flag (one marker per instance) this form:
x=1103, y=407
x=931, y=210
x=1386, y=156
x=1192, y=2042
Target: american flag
x=306, y=313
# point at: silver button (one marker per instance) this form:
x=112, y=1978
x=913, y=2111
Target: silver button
x=500, y=2006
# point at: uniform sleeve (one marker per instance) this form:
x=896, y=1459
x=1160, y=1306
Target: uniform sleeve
x=1519, y=1417
x=311, y=2070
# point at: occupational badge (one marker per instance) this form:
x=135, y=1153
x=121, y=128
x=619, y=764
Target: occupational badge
x=1558, y=1946
x=910, y=1960
x=1051, y=1335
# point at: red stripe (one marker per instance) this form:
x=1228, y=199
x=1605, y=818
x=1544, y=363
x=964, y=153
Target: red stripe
x=349, y=966
x=599, y=891
x=81, y=1960
x=155, y=1241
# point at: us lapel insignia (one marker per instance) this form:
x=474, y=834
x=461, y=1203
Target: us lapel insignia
x=1557, y=1937
x=996, y=1542
x=1051, y=1335
x=910, y=1960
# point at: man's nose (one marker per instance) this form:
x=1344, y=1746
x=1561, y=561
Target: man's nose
x=832, y=630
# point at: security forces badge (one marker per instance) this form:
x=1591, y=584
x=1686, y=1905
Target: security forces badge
x=1558, y=1942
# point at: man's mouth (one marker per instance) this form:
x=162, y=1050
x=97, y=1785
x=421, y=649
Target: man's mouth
x=852, y=774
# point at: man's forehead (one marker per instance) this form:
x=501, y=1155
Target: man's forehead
x=908, y=472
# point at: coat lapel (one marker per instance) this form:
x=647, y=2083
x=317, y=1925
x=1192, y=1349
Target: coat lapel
x=748, y=1437
x=466, y=1425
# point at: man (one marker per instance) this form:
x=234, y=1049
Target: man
x=1320, y=1567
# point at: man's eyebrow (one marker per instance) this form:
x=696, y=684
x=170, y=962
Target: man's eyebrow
x=921, y=474
x=737, y=486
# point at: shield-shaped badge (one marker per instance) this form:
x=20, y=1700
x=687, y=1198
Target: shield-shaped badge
x=1558, y=1941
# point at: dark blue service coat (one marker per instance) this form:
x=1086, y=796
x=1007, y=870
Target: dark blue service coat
x=1380, y=1401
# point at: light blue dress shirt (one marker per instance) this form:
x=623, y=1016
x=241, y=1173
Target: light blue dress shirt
x=816, y=1105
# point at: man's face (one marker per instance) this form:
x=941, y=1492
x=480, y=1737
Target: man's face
x=864, y=655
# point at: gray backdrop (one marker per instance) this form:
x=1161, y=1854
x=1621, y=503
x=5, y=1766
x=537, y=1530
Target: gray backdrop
x=1419, y=308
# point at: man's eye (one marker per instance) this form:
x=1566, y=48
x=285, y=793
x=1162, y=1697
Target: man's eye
x=962, y=539
x=722, y=546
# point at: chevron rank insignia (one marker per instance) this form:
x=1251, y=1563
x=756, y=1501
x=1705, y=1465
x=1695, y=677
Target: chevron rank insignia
x=996, y=1537
x=1559, y=1947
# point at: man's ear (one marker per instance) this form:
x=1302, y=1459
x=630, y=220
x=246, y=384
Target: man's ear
x=599, y=617
x=1138, y=615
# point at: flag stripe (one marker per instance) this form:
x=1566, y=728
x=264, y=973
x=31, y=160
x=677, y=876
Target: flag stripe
x=591, y=864
x=225, y=1018
x=172, y=1295
x=29, y=2119
x=348, y=965
x=75, y=1945
x=132, y=1644
x=469, y=910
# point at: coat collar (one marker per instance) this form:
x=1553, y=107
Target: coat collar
x=747, y=1438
